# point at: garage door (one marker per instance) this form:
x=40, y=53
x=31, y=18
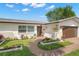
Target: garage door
x=69, y=32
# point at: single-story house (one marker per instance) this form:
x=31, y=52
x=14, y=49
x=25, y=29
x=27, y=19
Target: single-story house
x=65, y=28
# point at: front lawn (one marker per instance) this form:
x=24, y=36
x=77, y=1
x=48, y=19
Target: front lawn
x=73, y=53
x=10, y=43
x=24, y=52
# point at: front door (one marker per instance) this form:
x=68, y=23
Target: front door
x=39, y=30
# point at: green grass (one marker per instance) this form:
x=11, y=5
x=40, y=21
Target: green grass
x=10, y=43
x=65, y=43
x=73, y=53
x=54, y=45
x=24, y=52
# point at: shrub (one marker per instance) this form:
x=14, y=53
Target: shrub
x=25, y=37
x=8, y=38
x=33, y=37
x=15, y=38
x=46, y=40
x=22, y=36
x=1, y=37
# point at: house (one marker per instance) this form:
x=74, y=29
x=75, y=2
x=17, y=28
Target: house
x=16, y=28
x=65, y=28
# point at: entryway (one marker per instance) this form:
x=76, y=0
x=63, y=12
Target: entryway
x=39, y=30
x=69, y=32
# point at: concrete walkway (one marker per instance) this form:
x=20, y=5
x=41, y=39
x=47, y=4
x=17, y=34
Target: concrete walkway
x=57, y=52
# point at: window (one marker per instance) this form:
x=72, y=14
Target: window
x=22, y=28
x=26, y=29
x=30, y=28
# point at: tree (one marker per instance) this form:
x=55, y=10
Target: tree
x=68, y=12
x=60, y=13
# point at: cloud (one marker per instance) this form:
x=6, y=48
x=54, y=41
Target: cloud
x=37, y=5
x=10, y=5
x=25, y=9
x=25, y=3
x=34, y=5
x=51, y=7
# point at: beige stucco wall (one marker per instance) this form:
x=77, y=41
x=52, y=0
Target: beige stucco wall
x=11, y=30
x=8, y=29
x=49, y=30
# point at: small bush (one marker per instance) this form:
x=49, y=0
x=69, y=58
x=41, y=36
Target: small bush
x=46, y=40
x=8, y=38
x=1, y=36
x=25, y=37
x=33, y=37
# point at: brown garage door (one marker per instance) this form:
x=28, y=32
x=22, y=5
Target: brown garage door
x=69, y=32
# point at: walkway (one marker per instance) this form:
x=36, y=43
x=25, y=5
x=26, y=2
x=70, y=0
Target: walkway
x=57, y=52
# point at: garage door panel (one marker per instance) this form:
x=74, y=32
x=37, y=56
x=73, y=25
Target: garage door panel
x=69, y=32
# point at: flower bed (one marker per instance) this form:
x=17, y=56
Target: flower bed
x=8, y=49
x=50, y=46
x=55, y=44
x=48, y=41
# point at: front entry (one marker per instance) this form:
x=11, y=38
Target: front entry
x=39, y=30
x=69, y=32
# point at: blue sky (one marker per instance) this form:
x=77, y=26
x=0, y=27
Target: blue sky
x=31, y=11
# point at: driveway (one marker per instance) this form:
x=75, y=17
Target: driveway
x=73, y=46
x=57, y=52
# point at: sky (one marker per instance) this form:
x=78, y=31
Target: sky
x=32, y=11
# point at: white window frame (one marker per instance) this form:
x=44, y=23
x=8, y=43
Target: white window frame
x=27, y=29
x=21, y=29
x=30, y=28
